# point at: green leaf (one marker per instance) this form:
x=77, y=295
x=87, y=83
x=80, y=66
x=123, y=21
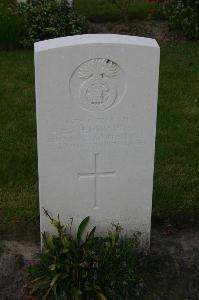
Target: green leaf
x=65, y=242
x=101, y=296
x=34, y=289
x=37, y=279
x=55, y=293
x=46, y=294
x=52, y=267
x=81, y=228
x=91, y=234
x=65, y=251
x=38, y=284
x=54, y=280
x=56, y=223
x=50, y=242
x=75, y=292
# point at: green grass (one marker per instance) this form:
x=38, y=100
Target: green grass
x=104, y=10
x=176, y=185
x=176, y=181
x=18, y=157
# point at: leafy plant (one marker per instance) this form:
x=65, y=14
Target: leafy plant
x=45, y=19
x=184, y=15
x=85, y=266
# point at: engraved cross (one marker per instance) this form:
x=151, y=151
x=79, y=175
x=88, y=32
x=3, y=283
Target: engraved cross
x=96, y=175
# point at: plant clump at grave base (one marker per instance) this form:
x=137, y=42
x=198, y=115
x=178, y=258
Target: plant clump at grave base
x=85, y=266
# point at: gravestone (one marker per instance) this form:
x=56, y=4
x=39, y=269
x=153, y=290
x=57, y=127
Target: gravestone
x=96, y=100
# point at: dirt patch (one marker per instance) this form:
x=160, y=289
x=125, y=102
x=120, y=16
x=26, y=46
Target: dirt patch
x=171, y=271
x=20, y=231
x=156, y=29
x=15, y=257
x=173, y=265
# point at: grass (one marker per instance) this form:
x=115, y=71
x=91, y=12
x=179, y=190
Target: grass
x=18, y=157
x=176, y=181
x=103, y=10
x=176, y=185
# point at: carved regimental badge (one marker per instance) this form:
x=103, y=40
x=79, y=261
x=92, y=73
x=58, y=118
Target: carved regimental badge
x=96, y=84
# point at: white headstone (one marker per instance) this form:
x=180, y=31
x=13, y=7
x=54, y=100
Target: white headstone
x=96, y=121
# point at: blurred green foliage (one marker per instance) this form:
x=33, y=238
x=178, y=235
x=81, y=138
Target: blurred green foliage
x=184, y=15
x=23, y=24
x=46, y=19
x=11, y=26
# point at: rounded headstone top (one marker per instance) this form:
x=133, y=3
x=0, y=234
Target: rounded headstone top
x=94, y=39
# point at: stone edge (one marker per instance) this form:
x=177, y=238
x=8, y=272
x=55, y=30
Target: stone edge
x=94, y=39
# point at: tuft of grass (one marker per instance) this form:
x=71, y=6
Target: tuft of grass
x=84, y=266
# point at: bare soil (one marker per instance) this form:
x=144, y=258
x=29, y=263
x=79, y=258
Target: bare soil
x=172, y=271
x=173, y=264
x=15, y=257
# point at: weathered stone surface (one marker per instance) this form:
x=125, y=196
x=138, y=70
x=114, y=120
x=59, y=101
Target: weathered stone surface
x=96, y=119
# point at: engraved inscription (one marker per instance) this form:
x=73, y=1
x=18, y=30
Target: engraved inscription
x=96, y=175
x=80, y=132
x=94, y=84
